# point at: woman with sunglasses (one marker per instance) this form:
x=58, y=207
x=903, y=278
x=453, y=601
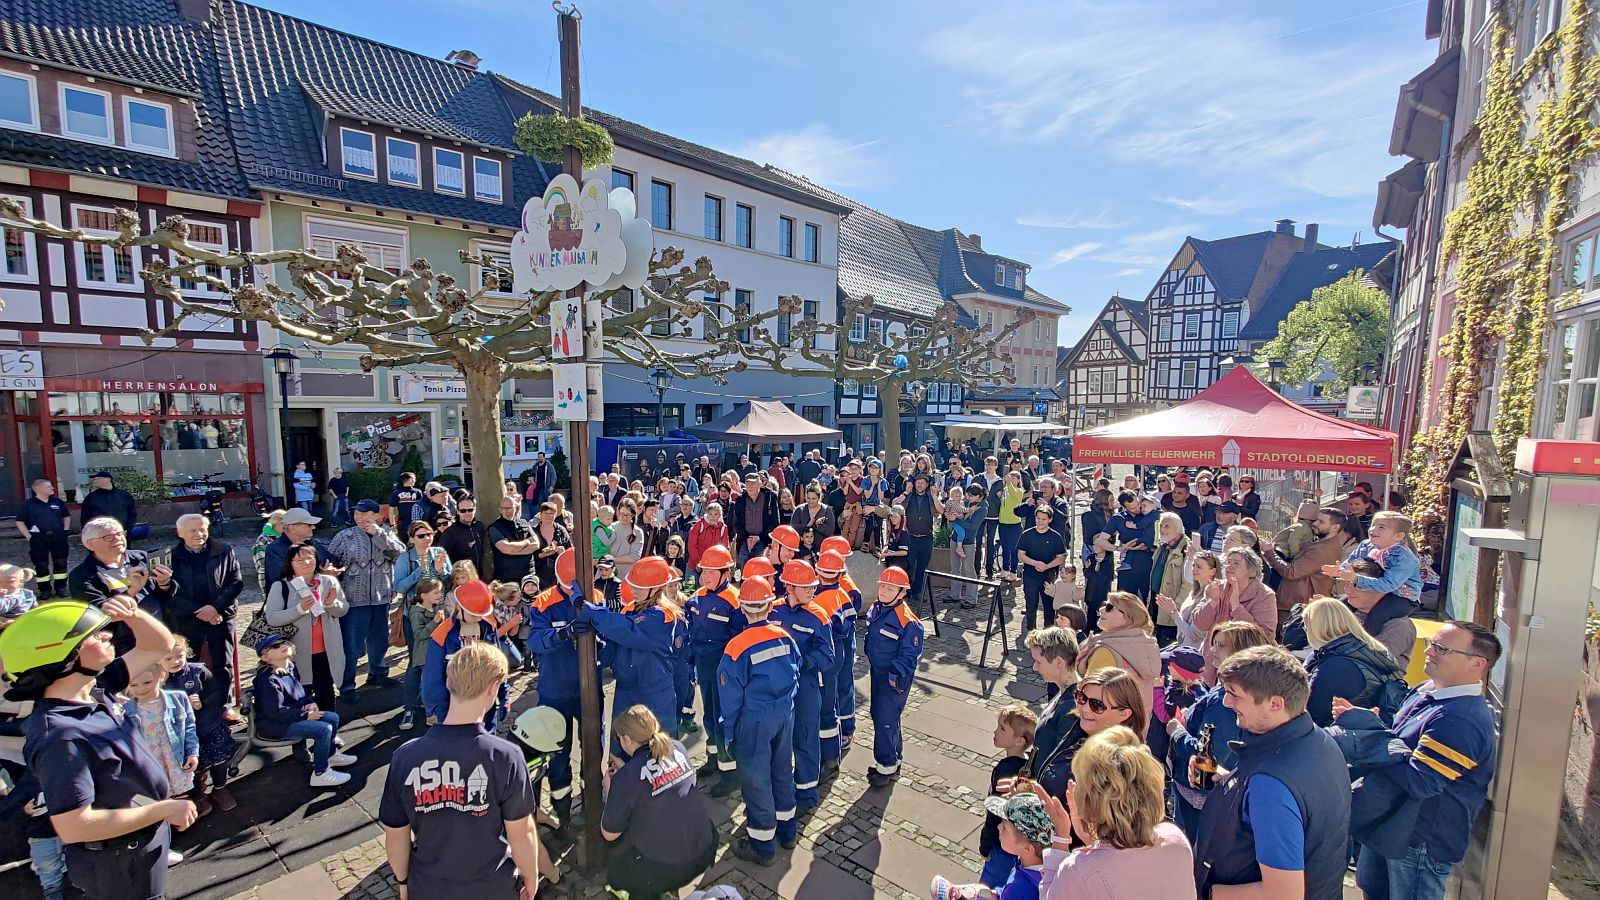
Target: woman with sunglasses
x=1184, y=731
x=1104, y=699
x=1247, y=497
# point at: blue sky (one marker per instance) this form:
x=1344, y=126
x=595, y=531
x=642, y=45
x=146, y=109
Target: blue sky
x=1084, y=138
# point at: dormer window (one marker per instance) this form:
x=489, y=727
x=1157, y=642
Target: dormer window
x=405, y=162
x=449, y=171
x=149, y=126
x=358, y=150
x=86, y=114
x=19, y=106
x=1007, y=275
x=486, y=179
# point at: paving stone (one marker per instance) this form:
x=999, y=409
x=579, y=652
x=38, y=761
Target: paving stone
x=968, y=737
x=908, y=865
x=929, y=813
x=798, y=873
x=309, y=883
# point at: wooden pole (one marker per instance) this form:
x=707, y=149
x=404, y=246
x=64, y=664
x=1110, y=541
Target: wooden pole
x=591, y=847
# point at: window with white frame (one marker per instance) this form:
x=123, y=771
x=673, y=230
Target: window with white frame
x=405, y=162
x=86, y=114
x=875, y=331
x=357, y=154
x=209, y=236
x=1230, y=324
x=1164, y=330
x=988, y=322
x=1572, y=400
x=19, y=101
x=486, y=183
x=869, y=389
x=490, y=279
x=1191, y=326
x=20, y=262
x=384, y=248
x=858, y=329
x=1578, y=270
x=1094, y=381
x=148, y=126
x=449, y=171
x=102, y=265
x=852, y=387
x=1159, y=375
x=1191, y=373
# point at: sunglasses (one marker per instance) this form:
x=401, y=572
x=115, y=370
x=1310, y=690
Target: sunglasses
x=1098, y=707
x=424, y=534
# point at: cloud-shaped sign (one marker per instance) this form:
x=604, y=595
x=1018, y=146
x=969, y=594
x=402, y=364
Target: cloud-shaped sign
x=639, y=239
x=569, y=235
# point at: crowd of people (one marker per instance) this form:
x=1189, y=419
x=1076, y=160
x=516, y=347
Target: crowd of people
x=1212, y=691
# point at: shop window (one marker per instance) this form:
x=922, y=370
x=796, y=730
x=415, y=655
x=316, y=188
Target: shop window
x=175, y=438
x=102, y=265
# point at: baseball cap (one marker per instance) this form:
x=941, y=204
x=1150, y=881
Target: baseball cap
x=101, y=474
x=270, y=641
x=298, y=516
x=1230, y=507
x=368, y=506
x=1024, y=810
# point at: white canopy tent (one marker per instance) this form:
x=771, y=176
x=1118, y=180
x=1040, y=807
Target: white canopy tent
x=959, y=428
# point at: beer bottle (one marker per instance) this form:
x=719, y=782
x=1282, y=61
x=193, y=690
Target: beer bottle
x=1205, y=764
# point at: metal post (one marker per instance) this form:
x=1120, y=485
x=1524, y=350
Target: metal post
x=283, y=438
x=591, y=847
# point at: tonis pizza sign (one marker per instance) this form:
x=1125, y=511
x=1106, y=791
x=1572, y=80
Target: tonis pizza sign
x=575, y=234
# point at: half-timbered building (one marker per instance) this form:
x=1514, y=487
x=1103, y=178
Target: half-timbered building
x=1102, y=377
x=106, y=105
x=1210, y=291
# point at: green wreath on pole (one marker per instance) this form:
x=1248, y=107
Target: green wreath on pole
x=546, y=139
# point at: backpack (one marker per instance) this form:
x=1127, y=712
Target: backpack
x=1386, y=686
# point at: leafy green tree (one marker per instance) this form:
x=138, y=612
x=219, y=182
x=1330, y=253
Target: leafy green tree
x=1341, y=330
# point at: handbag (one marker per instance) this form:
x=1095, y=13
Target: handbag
x=397, y=632
x=259, y=628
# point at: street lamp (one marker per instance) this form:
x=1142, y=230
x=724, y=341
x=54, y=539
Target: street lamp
x=283, y=360
x=1275, y=369
x=663, y=380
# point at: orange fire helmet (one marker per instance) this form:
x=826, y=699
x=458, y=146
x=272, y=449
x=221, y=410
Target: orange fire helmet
x=839, y=543
x=650, y=573
x=716, y=557
x=567, y=567
x=830, y=562
x=759, y=567
x=799, y=573
x=475, y=598
x=755, y=592
x=786, y=536
x=894, y=575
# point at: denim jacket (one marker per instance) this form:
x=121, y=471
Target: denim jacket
x=408, y=569
x=178, y=721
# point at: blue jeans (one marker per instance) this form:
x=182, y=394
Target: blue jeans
x=365, y=628
x=530, y=509
x=997, y=868
x=49, y=864
x=1009, y=536
x=1417, y=876
x=304, y=504
x=414, y=691
x=341, y=509
x=320, y=733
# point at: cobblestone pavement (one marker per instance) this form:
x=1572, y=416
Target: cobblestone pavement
x=858, y=843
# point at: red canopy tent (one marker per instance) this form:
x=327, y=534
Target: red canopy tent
x=1240, y=422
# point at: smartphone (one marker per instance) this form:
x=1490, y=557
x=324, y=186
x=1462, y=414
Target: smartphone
x=159, y=558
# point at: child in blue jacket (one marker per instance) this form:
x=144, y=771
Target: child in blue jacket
x=473, y=620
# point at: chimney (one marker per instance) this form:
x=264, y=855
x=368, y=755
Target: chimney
x=1311, y=236
x=977, y=240
x=196, y=10
x=464, y=59
x=1285, y=226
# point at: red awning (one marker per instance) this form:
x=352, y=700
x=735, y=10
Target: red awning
x=1240, y=422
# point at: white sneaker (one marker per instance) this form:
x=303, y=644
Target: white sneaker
x=341, y=759
x=174, y=857
x=329, y=778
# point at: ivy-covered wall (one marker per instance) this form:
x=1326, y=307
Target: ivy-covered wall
x=1535, y=131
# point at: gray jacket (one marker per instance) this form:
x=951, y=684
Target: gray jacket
x=368, y=578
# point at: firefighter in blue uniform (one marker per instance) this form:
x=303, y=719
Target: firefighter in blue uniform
x=756, y=682
x=836, y=602
x=639, y=642
x=844, y=653
x=894, y=643
x=713, y=613
x=784, y=546
x=812, y=629
x=553, y=626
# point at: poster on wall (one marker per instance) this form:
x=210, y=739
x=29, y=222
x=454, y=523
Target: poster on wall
x=1462, y=599
x=571, y=391
x=382, y=440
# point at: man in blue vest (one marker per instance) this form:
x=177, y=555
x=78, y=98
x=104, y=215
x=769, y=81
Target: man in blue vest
x=1450, y=729
x=1277, y=826
x=756, y=683
x=714, y=620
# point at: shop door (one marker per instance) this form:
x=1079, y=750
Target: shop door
x=306, y=443
x=13, y=481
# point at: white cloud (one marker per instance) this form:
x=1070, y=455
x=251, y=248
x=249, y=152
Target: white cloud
x=820, y=155
x=1121, y=272
x=1068, y=254
x=1181, y=87
x=1101, y=219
